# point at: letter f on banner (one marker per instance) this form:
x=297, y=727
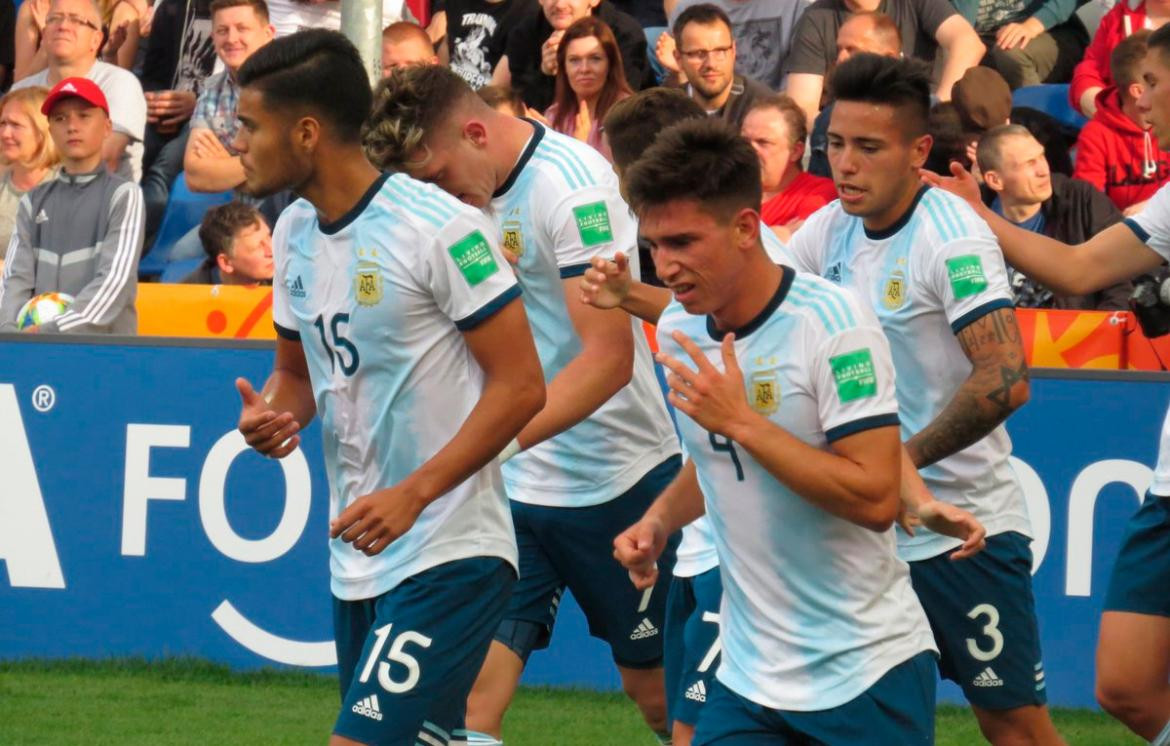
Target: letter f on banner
x=26, y=541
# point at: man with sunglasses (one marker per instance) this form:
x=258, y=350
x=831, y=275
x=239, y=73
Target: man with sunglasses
x=73, y=35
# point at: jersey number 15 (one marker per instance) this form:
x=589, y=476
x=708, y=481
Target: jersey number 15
x=339, y=343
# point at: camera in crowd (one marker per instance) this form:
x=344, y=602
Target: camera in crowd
x=1150, y=303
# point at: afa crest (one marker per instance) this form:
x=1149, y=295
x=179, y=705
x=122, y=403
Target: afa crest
x=367, y=284
x=894, y=294
x=765, y=393
x=513, y=239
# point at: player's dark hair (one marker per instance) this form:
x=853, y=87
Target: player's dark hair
x=1126, y=59
x=496, y=96
x=409, y=105
x=633, y=124
x=1160, y=40
x=903, y=84
x=703, y=14
x=704, y=160
x=317, y=70
x=221, y=224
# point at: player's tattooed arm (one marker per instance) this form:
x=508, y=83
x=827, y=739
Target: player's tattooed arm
x=997, y=386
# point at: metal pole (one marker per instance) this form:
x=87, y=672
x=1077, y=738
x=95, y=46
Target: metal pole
x=361, y=22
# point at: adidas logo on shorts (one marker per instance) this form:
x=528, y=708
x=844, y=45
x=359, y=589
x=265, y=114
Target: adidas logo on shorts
x=697, y=691
x=987, y=678
x=369, y=707
x=644, y=630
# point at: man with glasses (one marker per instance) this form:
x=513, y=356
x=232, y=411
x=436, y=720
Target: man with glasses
x=73, y=35
x=705, y=54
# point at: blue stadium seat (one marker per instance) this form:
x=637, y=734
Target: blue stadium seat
x=1050, y=99
x=184, y=211
x=177, y=270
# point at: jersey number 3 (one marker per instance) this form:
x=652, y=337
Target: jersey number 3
x=339, y=343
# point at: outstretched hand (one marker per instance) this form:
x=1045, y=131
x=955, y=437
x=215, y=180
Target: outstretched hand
x=960, y=183
x=607, y=282
x=714, y=399
x=267, y=431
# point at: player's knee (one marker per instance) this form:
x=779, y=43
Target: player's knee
x=1120, y=697
x=1023, y=726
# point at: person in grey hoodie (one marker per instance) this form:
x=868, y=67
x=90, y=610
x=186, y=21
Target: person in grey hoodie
x=80, y=233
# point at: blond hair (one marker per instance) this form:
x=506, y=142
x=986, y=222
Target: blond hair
x=30, y=100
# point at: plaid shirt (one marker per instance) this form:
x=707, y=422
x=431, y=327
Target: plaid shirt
x=216, y=108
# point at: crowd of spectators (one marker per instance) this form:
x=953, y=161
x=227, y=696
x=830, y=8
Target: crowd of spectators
x=167, y=72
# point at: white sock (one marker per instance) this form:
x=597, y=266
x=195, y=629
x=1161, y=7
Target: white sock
x=664, y=739
x=475, y=738
x=1163, y=738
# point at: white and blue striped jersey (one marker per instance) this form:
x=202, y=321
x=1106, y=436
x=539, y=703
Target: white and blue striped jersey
x=927, y=277
x=1152, y=226
x=378, y=301
x=815, y=608
x=696, y=553
x=560, y=208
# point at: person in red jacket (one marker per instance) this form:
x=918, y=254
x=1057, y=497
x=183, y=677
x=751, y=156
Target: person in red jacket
x=1091, y=75
x=776, y=128
x=1116, y=151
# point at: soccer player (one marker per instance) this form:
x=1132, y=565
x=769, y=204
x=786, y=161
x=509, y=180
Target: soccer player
x=692, y=607
x=1133, y=650
x=603, y=447
x=398, y=321
x=798, y=460
x=931, y=270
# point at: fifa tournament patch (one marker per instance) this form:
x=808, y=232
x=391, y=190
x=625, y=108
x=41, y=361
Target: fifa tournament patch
x=593, y=223
x=474, y=258
x=854, y=375
x=966, y=275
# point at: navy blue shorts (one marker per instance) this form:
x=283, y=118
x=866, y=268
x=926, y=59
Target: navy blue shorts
x=692, y=643
x=407, y=659
x=983, y=616
x=1140, y=582
x=573, y=548
x=897, y=710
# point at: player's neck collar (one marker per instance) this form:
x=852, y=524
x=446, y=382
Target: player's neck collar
x=330, y=229
x=525, y=156
x=898, y=224
x=786, y=276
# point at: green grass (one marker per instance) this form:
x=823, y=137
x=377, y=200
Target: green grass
x=173, y=702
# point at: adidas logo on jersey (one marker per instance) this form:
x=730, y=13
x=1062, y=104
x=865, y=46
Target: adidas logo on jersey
x=296, y=288
x=42, y=217
x=987, y=678
x=644, y=630
x=369, y=707
x=697, y=691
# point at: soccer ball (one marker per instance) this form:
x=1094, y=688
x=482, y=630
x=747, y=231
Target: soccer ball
x=43, y=309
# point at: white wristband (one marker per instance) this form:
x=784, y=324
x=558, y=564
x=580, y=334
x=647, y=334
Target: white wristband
x=509, y=451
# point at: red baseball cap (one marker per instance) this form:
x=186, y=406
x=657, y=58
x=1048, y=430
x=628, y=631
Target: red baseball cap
x=82, y=88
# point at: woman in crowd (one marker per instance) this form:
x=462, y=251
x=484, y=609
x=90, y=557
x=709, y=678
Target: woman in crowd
x=590, y=80
x=27, y=154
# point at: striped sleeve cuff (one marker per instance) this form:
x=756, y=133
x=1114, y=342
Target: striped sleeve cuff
x=284, y=332
x=975, y=314
x=491, y=308
x=834, y=434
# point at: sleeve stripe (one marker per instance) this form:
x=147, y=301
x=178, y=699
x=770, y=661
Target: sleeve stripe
x=489, y=309
x=1138, y=231
x=291, y=335
x=124, y=259
x=865, y=423
x=573, y=270
x=975, y=314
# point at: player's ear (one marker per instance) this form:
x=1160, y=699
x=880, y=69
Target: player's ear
x=475, y=132
x=307, y=133
x=746, y=225
x=919, y=150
